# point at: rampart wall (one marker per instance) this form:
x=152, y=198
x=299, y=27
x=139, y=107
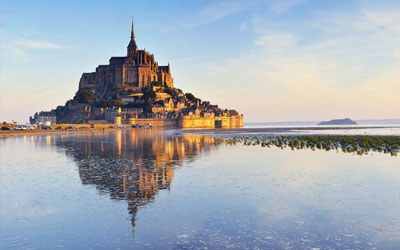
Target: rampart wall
x=182, y=122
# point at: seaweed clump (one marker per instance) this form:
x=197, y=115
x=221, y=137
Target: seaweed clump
x=359, y=144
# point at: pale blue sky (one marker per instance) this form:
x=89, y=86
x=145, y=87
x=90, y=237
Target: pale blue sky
x=272, y=60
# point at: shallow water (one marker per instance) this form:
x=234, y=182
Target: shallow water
x=144, y=189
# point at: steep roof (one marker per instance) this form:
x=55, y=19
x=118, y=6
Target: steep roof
x=132, y=44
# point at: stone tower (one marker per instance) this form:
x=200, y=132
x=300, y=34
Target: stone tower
x=132, y=47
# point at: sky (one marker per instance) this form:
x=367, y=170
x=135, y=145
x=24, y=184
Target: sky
x=272, y=60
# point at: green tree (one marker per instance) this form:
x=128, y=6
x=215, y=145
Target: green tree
x=84, y=96
x=147, y=107
x=191, y=97
x=149, y=93
x=171, y=91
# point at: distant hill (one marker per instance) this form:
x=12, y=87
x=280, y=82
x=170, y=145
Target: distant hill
x=346, y=121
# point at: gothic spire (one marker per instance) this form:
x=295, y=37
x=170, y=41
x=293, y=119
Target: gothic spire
x=132, y=31
x=132, y=47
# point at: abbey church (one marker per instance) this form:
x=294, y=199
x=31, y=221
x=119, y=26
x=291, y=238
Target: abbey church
x=132, y=72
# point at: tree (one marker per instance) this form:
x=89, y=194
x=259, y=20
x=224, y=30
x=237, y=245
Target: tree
x=171, y=91
x=147, y=107
x=149, y=93
x=191, y=97
x=84, y=96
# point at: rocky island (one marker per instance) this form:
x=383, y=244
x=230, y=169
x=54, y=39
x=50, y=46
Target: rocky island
x=135, y=89
x=346, y=121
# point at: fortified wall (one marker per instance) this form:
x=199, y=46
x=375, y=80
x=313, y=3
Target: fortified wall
x=187, y=122
x=235, y=121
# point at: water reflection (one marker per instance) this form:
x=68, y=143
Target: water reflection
x=132, y=165
x=236, y=197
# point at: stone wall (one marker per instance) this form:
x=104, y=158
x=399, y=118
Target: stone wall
x=210, y=122
x=155, y=122
x=189, y=122
x=183, y=122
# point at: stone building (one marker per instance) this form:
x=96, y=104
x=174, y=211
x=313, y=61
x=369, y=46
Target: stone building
x=43, y=118
x=136, y=70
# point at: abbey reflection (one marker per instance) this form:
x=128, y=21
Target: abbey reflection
x=132, y=165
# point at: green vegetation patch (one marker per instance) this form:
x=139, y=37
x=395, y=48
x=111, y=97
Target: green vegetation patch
x=359, y=144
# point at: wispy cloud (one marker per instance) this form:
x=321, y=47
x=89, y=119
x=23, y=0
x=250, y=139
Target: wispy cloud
x=32, y=44
x=283, y=5
x=243, y=27
x=213, y=13
x=192, y=58
x=389, y=20
x=15, y=51
x=276, y=42
x=397, y=54
x=331, y=64
x=223, y=8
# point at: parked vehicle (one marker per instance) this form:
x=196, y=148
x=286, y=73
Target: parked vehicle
x=5, y=128
x=70, y=128
x=20, y=128
x=59, y=128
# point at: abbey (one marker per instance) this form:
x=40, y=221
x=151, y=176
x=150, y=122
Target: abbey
x=134, y=89
x=132, y=72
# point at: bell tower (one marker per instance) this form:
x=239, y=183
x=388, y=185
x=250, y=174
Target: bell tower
x=132, y=47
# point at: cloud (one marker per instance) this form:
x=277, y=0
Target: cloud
x=16, y=51
x=223, y=8
x=243, y=27
x=389, y=20
x=276, y=42
x=32, y=44
x=331, y=63
x=192, y=58
x=213, y=13
x=347, y=70
x=283, y=5
x=305, y=88
x=397, y=54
